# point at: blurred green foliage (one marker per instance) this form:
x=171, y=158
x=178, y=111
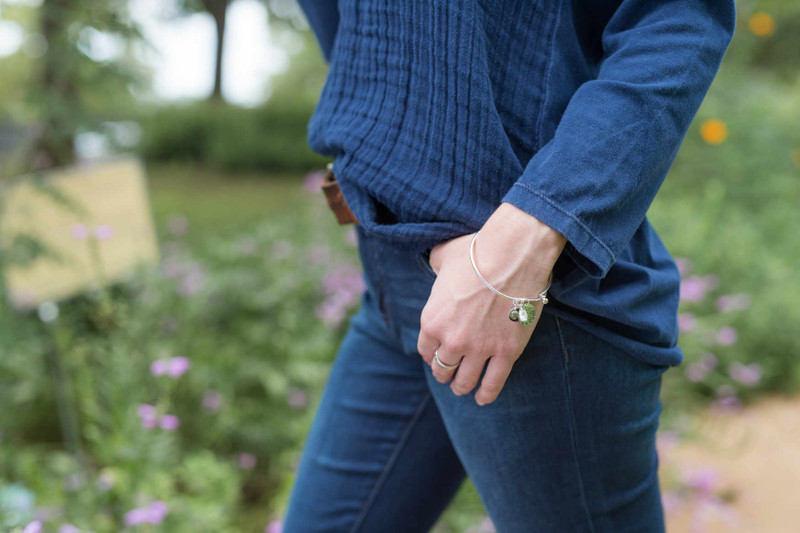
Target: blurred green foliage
x=59, y=83
x=243, y=310
x=228, y=138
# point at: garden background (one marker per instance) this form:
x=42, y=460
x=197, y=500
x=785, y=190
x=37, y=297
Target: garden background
x=178, y=399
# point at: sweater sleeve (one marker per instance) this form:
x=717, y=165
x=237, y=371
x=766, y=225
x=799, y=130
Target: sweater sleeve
x=594, y=180
x=323, y=17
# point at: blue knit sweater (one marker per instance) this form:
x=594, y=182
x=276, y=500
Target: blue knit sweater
x=437, y=111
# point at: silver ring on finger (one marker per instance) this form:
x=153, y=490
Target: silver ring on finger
x=439, y=362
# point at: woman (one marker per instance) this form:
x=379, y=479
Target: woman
x=547, y=127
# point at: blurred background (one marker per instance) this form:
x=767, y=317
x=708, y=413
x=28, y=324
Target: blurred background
x=175, y=287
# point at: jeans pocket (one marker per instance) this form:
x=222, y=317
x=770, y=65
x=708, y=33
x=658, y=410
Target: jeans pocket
x=423, y=259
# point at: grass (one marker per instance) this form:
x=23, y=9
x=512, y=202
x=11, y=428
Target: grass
x=222, y=205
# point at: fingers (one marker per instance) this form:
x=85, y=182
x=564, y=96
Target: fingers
x=468, y=374
x=443, y=375
x=426, y=346
x=494, y=379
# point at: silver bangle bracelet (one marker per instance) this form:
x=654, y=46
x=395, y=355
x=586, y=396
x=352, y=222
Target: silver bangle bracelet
x=523, y=310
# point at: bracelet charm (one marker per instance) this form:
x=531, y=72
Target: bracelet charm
x=523, y=312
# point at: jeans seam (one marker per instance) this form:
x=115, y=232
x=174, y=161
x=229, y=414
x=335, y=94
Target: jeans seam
x=563, y=344
x=573, y=431
x=390, y=463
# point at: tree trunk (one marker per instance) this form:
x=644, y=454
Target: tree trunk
x=54, y=145
x=218, y=9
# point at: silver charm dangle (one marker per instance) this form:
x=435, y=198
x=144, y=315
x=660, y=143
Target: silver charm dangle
x=523, y=312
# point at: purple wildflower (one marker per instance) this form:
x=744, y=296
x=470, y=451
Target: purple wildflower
x=247, y=461
x=330, y=313
x=137, y=516
x=148, y=415
x=159, y=507
x=79, y=232
x=103, y=232
x=276, y=526
x=169, y=422
x=747, y=375
x=343, y=287
x=313, y=181
x=703, y=480
x=693, y=289
x=177, y=366
x=33, y=527
x=726, y=336
x=153, y=513
x=158, y=367
x=68, y=528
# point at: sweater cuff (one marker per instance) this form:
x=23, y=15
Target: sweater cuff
x=584, y=247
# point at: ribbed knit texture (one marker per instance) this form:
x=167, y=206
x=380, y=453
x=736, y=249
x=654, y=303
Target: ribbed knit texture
x=415, y=115
x=437, y=111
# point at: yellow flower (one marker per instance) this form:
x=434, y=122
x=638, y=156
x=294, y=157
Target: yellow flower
x=762, y=24
x=713, y=131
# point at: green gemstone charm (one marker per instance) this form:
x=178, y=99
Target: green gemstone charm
x=527, y=313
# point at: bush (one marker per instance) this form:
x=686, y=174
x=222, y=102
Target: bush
x=230, y=138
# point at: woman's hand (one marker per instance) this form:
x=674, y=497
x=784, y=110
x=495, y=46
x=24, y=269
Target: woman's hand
x=465, y=320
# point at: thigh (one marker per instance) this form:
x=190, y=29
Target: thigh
x=569, y=444
x=377, y=457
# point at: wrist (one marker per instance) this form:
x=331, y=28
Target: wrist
x=529, y=236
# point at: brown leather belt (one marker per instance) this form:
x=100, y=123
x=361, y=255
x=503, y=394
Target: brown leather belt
x=335, y=198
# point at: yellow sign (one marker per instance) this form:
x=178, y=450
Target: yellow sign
x=89, y=225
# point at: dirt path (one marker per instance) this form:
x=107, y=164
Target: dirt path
x=742, y=473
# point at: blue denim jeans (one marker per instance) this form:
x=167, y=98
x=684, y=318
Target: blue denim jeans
x=568, y=446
